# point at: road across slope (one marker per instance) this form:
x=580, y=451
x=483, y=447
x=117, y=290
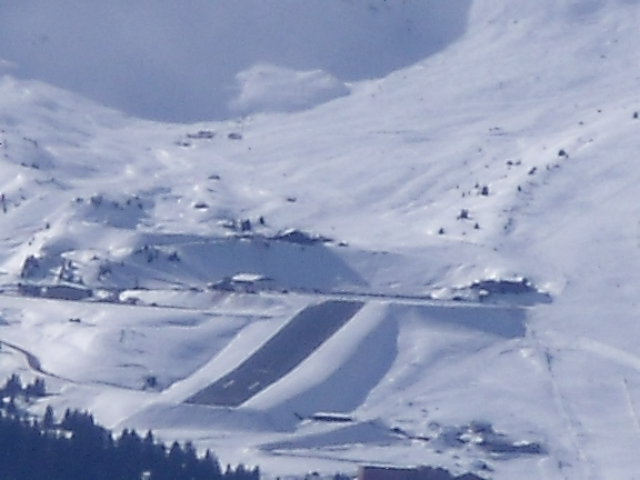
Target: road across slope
x=303, y=334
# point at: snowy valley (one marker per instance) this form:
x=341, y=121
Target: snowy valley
x=322, y=234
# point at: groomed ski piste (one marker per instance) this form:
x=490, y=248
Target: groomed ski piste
x=392, y=233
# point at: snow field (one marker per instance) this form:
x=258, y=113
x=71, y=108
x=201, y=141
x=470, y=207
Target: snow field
x=520, y=115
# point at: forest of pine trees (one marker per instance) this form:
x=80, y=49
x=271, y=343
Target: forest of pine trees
x=77, y=448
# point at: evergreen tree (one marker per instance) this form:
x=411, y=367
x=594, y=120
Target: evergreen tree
x=36, y=389
x=13, y=386
x=31, y=450
x=48, y=420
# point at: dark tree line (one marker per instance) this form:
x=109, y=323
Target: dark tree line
x=77, y=448
x=13, y=387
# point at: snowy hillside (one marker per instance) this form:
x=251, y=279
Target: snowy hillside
x=399, y=233
x=176, y=61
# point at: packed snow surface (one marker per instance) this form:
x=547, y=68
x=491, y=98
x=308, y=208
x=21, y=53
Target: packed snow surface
x=465, y=173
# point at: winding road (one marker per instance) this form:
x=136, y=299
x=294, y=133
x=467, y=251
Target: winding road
x=32, y=361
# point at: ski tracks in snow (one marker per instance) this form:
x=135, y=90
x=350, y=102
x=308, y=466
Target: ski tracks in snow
x=574, y=426
x=633, y=408
x=567, y=398
x=578, y=466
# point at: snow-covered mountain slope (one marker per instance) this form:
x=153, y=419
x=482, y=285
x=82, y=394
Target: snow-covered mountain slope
x=473, y=185
x=173, y=61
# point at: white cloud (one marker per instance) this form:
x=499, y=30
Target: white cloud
x=265, y=87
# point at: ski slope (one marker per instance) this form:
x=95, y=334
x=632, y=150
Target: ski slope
x=465, y=171
x=281, y=354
